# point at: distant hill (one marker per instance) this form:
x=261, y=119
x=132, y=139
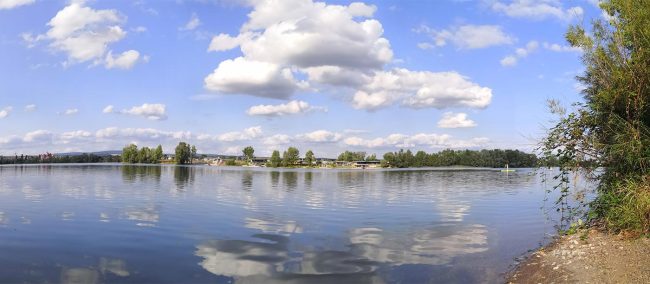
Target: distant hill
x=98, y=153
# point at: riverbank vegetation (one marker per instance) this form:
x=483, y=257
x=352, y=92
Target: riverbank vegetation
x=145, y=155
x=484, y=158
x=495, y=158
x=49, y=158
x=184, y=153
x=610, y=130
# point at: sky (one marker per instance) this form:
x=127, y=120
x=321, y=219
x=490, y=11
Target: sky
x=371, y=76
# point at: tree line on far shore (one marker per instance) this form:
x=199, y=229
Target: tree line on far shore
x=53, y=159
x=494, y=158
x=185, y=154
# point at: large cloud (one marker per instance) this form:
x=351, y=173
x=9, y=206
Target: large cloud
x=307, y=34
x=421, y=89
x=257, y=78
x=281, y=35
x=341, y=47
x=84, y=34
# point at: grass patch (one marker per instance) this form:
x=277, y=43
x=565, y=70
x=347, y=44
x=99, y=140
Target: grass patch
x=626, y=207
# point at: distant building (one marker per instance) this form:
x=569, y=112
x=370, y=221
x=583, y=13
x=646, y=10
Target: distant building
x=359, y=164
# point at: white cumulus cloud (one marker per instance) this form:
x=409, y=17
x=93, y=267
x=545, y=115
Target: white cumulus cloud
x=108, y=109
x=431, y=140
x=246, y=134
x=257, y=78
x=149, y=111
x=70, y=111
x=192, y=24
x=289, y=108
x=125, y=60
x=320, y=136
x=467, y=36
x=455, y=120
x=6, y=111
x=38, y=135
x=537, y=9
x=276, y=140
x=421, y=89
x=561, y=48
x=85, y=34
x=141, y=134
x=10, y=4
x=522, y=52
x=300, y=33
x=30, y=108
x=340, y=49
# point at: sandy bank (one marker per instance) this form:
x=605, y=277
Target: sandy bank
x=587, y=257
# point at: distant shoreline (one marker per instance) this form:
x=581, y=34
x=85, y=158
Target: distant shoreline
x=450, y=168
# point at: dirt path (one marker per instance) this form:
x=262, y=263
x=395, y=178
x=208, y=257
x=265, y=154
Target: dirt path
x=587, y=257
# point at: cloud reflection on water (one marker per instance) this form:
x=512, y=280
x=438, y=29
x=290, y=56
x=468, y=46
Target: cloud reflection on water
x=146, y=216
x=269, y=260
x=90, y=275
x=435, y=246
x=270, y=257
x=283, y=228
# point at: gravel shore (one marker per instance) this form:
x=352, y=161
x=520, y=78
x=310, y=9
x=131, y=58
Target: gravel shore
x=587, y=257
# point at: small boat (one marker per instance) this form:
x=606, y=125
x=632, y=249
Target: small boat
x=507, y=170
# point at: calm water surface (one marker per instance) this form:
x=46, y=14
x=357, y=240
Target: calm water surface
x=135, y=224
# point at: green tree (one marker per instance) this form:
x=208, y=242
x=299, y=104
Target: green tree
x=275, y=159
x=158, y=154
x=248, y=153
x=144, y=155
x=611, y=129
x=193, y=151
x=352, y=156
x=130, y=154
x=309, y=158
x=290, y=157
x=183, y=153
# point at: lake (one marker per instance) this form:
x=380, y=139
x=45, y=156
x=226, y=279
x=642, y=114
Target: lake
x=171, y=224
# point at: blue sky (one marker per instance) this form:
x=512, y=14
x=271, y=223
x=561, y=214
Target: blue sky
x=370, y=76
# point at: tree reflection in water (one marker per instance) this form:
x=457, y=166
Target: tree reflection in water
x=247, y=180
x=308, y=179
x=290, y=180
x=184, y=177
x=133, y=173
x=275, y=178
